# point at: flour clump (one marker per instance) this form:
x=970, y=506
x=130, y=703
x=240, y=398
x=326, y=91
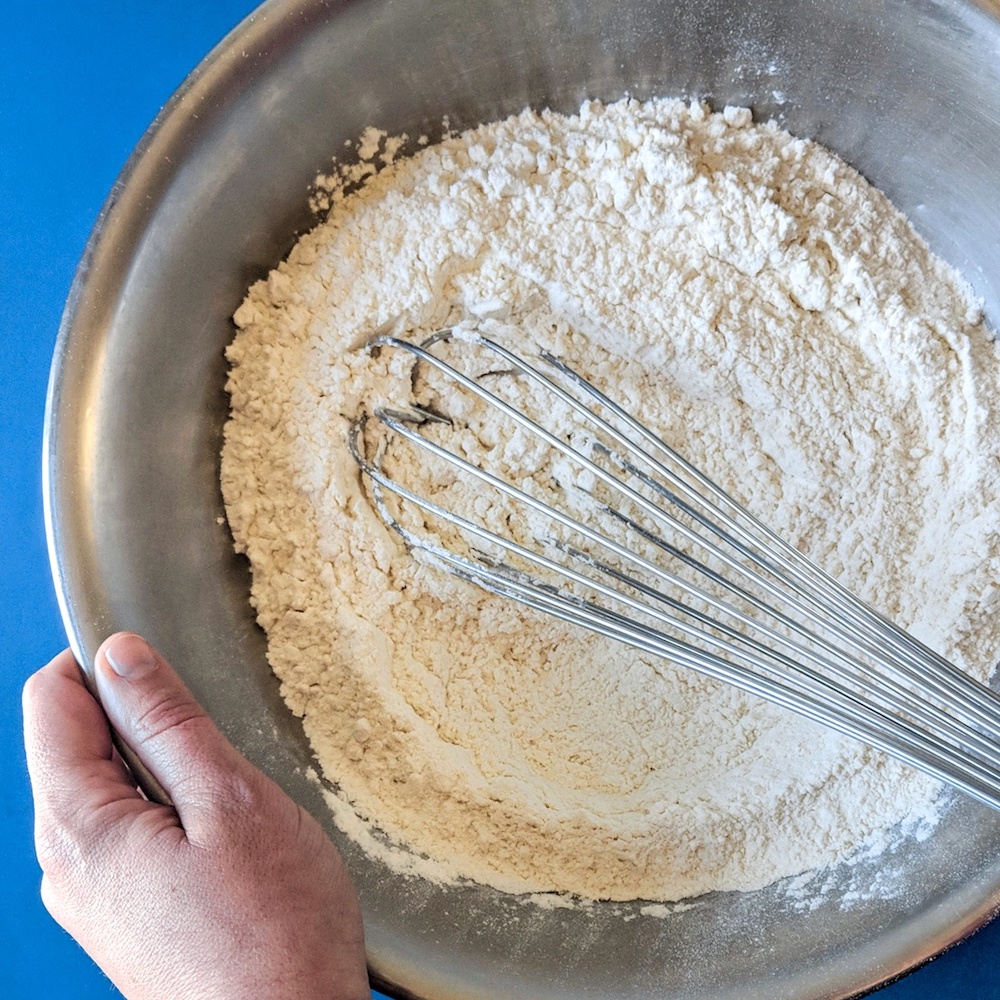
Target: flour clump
x=777, y=321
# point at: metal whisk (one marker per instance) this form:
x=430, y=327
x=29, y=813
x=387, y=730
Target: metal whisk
x=712, y=588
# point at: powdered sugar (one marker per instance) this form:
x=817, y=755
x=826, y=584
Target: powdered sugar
x=780, y=324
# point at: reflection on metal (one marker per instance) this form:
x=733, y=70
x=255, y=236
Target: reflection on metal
x=908, y=92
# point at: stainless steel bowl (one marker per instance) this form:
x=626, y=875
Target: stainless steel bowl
x=906, y=90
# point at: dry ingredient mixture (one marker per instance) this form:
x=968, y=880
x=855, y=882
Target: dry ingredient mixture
x=777, y=321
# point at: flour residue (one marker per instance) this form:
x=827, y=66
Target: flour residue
x=778, y=322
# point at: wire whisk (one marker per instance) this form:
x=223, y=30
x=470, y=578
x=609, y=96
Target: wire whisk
x=615, y=532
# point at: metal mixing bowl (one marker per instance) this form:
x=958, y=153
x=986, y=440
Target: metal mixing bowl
x=906, y=90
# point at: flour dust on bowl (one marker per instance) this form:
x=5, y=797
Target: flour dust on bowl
x=215, y=197
x=760, y=313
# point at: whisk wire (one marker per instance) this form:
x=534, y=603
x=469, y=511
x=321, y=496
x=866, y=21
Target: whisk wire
x=938, y=673
x=844, y=712
x=844, y=640
x=869, y=632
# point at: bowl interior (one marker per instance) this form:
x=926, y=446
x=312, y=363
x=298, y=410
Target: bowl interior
x=908, y=91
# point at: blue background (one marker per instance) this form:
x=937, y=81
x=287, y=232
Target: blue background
x=79, y=83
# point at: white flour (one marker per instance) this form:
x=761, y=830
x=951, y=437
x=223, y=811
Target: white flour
x=780, y=324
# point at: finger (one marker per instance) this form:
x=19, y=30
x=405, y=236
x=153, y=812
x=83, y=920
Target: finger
x=71, y=762
x=157, y=716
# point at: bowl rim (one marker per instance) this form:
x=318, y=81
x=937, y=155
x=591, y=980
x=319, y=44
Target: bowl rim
x=260, y=32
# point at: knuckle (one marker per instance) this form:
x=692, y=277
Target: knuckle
x=72, y=841
x=30, y=692
x=244, y=819
x=238, y=798
x=60, y=854
x=175, y=714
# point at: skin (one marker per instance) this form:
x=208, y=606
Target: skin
x=233, y=893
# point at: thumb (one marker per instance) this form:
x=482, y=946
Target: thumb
x=159, y=720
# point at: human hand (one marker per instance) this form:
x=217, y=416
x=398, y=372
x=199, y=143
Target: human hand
x=234, y=893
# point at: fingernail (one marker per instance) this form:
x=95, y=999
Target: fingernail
x=130, y=656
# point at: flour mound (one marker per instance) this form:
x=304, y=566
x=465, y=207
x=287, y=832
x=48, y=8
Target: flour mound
x=777, y=321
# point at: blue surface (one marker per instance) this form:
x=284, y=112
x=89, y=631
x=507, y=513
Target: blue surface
x=79, y=84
